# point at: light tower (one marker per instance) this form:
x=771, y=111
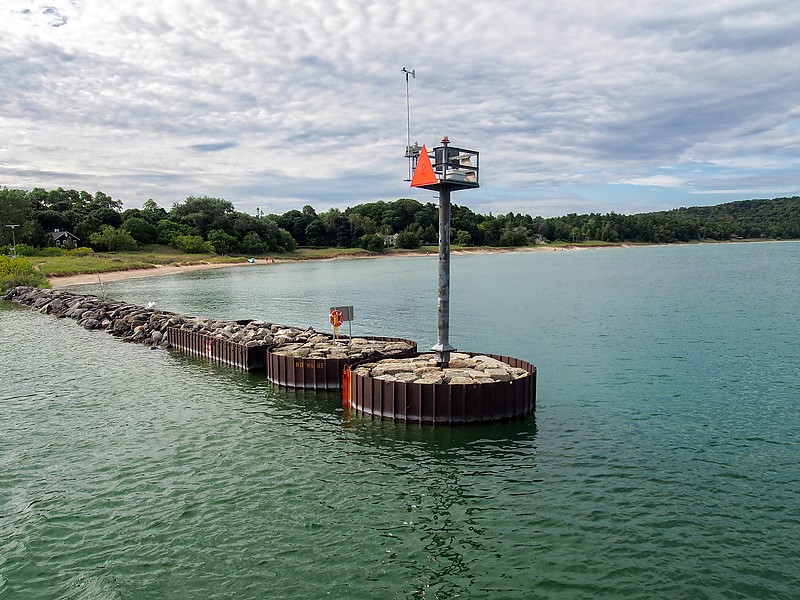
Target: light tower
x=452, y=169
x=441, y=394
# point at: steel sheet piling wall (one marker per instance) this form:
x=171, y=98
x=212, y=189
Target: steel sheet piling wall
x=319, y=373
x=219, y=351
x=394, y=400
x=307, y=373
x=446, y=403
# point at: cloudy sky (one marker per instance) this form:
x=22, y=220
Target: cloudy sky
x=575, y=105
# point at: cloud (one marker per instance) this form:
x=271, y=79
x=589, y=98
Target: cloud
x=658, y=181
x=213, y=147
x=276, y=104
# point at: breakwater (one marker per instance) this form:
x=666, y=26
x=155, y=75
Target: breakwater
x=394, y=382
x=149, y=326
x=291, y=356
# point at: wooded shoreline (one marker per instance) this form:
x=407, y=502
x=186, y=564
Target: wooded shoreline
x=157, y=270
x=205, y=225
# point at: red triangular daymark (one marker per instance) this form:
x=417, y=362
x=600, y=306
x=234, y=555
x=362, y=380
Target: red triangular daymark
x=423, y=174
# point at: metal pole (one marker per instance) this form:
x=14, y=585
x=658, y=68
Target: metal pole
x=408, y=113
x=13, y=241
x=408, y=122
x=443, y=347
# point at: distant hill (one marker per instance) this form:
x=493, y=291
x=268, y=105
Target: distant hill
x=776, y=218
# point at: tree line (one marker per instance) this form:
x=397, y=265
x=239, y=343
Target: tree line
x=205, y=224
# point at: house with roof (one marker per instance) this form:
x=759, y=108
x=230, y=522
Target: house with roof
x=64, y=239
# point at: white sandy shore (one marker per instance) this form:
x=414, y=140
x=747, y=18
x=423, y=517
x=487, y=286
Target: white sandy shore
x=156, y=270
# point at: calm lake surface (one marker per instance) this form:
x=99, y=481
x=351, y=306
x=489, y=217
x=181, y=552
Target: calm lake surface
x=663, y=460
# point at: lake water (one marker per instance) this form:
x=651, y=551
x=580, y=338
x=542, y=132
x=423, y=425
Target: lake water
x=662, y=461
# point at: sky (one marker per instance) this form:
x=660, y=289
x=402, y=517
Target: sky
x=575, y=106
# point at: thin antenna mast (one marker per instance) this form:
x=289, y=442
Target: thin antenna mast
x=412, y=152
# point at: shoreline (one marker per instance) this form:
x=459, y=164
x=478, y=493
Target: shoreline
x=65, y=281
x=154, y=271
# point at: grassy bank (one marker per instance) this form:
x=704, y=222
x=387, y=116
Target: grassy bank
x=153, y=256
x=59, y=266
x=105, y=262
x=19, y=271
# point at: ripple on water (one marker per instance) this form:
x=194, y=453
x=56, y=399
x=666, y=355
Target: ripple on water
x=662, y=460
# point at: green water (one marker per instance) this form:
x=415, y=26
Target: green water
x=662, y=461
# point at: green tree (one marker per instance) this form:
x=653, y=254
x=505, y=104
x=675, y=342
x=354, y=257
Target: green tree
x=62, y=201
x=266, y=229
x=462, y=218
x=169, y=230
x=463, y=238
x=338, y=230
x=286, y=241
x=141, y=230
x=430, y=235
x=101, y=201
x=253, y=244
x=489, y=232
x=372, y=242
x=107, y=216
x=316, y=234
x=360, y=224
x=112, y=240
x=193, y=244
x=153, y=212
x=15, y=209
x=51, y=220
x=516, y=236
x=223, y=243
x=407, y=239
x=295, y=222
x=203, y=214
x=86, y=227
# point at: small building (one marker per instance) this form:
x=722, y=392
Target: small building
x=389, y=240
x=64, y=239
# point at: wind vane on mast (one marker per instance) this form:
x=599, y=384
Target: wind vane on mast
x=412, y=152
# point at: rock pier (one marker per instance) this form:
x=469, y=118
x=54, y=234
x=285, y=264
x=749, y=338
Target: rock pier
x=464, y=369
x=133, y=323
x=357, y=349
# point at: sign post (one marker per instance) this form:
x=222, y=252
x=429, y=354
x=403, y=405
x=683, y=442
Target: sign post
x=13, y=240
x=336, y=319
x=347, y=314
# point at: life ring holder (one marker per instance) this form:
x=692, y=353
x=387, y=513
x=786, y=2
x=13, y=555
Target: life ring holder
x=336, y=318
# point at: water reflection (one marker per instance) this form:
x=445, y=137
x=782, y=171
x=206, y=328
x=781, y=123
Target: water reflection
x=436, y=440
x=452, y=482
x=360, y=429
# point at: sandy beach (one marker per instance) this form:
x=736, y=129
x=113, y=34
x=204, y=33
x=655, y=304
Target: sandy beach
x=157, y=270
